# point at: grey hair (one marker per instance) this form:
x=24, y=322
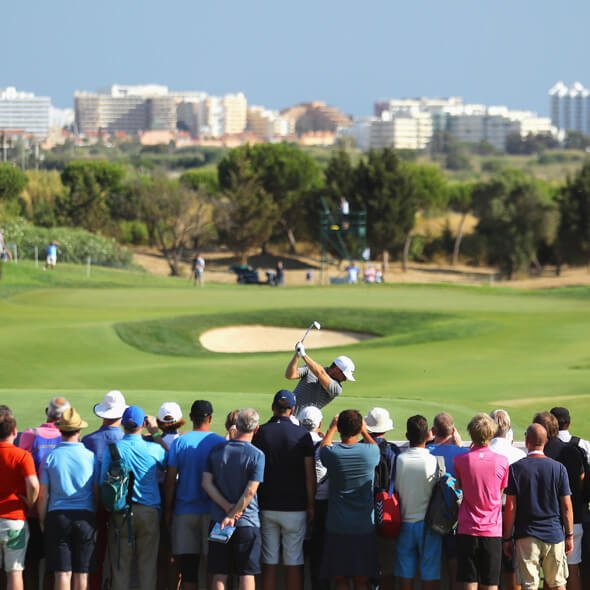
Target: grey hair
x=502, y=420
x=56, y=408
x=248, y=420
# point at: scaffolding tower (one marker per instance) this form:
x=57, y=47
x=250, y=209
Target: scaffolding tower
x=345, y=235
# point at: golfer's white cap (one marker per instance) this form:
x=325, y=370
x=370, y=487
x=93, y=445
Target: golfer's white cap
x=169, y=412
x=112, y=406
x=346, y=365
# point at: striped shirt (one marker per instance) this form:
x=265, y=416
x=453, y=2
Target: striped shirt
x=309, y=391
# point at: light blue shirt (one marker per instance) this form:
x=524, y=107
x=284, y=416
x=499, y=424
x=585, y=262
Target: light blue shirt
x=69, y=472
x=351, y=471
x=189, y=454
x=145, y=459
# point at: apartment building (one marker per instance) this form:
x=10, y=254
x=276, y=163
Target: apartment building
x=403, y=131
x=315, y=116
x=570, y=107
x=24, y=112
x=267, y=124
x=129, y=109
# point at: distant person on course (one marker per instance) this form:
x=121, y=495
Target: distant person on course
x=318, y=385
x=198, y=268
x=51, y=260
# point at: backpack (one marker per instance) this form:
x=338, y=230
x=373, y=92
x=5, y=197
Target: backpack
x=443, y=508
x=388, y=516
x=117, y=488
x=585, y=484
x=385, y=470
x=42, y=447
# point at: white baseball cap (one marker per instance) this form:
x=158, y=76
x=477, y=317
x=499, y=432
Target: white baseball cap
x=378, y=420
x=310, y=417
x=112, y=406
x=346, y=365
x=169, y=412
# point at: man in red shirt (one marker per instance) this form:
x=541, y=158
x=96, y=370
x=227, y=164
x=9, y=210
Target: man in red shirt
x=19, y=488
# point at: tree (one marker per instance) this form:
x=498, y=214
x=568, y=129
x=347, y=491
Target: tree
x=457, y=157
x=201, y=178
x=339, y=177
x=430, y=194
x=91, y=184
x=12, y=183
x=174, y=214
x=385, y=188
x=246, y=212
x=516, y=215
x=39, y=197
x=284, y=171
x=574, y=227
x=460, y=196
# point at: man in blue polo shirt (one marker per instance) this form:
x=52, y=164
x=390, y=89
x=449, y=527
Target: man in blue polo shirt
x=67, y=505
x=185, y=496
x=145, y=459
x=287, y=494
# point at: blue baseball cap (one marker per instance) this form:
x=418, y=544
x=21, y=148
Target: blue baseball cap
x=284, y=398
x=133, y=417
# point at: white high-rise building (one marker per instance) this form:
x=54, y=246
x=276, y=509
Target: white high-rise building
x=130, y=109
x=401, y=131
x=570, y=107
x=24, y=112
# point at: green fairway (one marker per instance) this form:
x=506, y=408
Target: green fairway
x=460, y=349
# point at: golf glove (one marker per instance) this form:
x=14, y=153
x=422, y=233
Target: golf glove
x=300, y=349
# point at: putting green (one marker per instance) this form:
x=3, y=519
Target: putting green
x=459, y=349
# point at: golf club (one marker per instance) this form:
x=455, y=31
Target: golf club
x=315, y=325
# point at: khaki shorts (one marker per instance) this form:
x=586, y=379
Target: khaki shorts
x=190, y=534
x=14, y=536
x=286, y=529
x=532, y=554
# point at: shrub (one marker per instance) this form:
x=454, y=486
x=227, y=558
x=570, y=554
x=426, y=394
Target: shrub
x=133, y=232
x=75, y=245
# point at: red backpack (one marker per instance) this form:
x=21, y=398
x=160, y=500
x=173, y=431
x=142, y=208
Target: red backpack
x=388, y=517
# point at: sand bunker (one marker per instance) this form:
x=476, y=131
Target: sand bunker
x=271, y=339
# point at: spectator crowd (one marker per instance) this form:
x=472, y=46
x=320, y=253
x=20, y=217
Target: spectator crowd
x=257, y=503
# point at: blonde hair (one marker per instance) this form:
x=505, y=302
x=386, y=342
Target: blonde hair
x=481, y=429
x=502, y=420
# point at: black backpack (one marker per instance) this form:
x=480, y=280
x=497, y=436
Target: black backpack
x=585, y=484
x=385, y=470
x=443, y=509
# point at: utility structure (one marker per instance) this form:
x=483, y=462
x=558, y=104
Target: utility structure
x=342, y=233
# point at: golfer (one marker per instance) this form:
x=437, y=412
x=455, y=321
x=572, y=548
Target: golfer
x=318, y=385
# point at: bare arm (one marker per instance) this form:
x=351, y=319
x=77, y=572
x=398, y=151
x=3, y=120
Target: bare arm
x=152, y=427
x=214, y=493
x=567, y=517
x=291, y=371
x=169, y=493
x=42, y=504
x=508, y=525
x=365, y=434
x=245, y=499
x=327, y=441
x=318, y=371
x=232, y=510
x=32, y=490
x=310, y=486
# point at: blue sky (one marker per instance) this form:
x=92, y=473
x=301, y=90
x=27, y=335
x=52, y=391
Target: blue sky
x=279, y=53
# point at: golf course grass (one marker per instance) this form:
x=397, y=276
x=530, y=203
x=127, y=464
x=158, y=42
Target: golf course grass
x=459, y=349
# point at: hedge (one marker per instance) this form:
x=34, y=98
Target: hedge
x=75, y=245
